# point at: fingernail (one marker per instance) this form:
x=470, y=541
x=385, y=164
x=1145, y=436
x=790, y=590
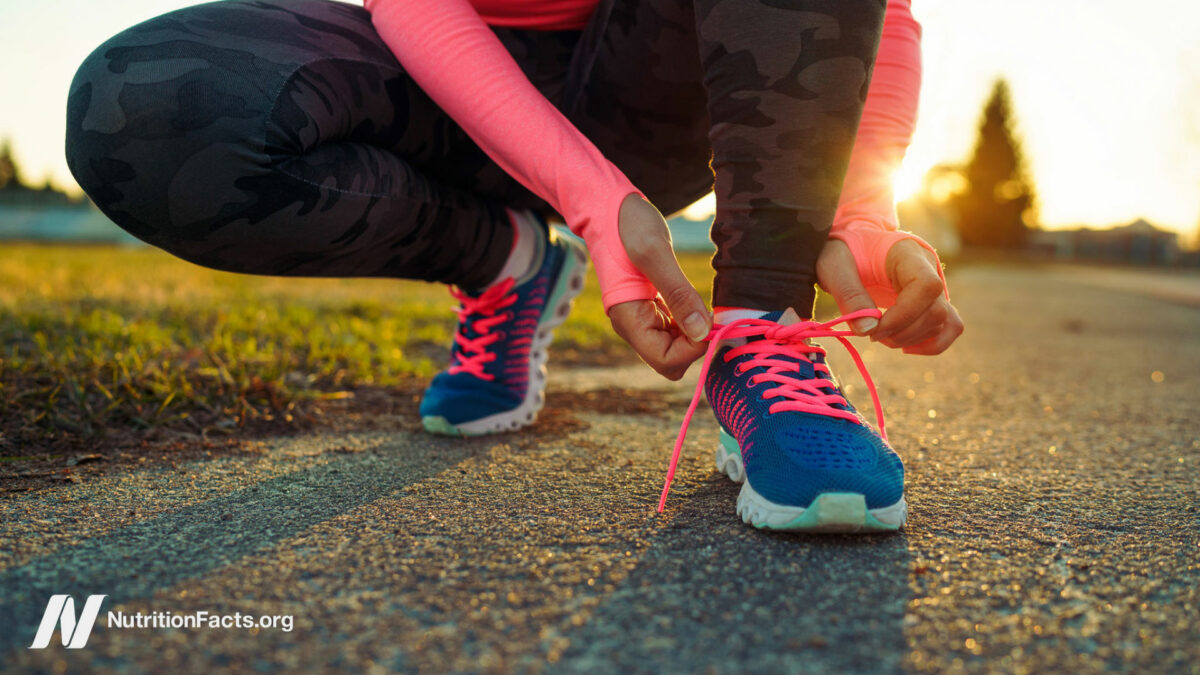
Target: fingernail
x=695, y=326
x=866, y=326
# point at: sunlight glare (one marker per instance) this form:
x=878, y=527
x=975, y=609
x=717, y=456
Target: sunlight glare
x=906, y=181
x=702, y=209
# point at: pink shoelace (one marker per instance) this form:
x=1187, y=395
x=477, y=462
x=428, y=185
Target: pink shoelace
x=473, y=352
x=795, y=394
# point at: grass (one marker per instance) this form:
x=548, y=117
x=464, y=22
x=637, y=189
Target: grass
x=102, y=339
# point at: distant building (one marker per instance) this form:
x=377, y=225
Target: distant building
x=78, y=224
x=1138, y=243
x=932, y=222
x=691, y=235
x=19, y=195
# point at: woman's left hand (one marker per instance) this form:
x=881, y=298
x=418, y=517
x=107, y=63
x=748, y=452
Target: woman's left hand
x=666, y=332
x=921, y=322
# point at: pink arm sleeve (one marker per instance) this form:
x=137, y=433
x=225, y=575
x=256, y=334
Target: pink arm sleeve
x=866, y=217
x=456, y=59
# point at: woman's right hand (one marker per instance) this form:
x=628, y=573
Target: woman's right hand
x=666, y=332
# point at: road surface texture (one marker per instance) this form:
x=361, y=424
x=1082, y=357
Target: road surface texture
x=1053, y=461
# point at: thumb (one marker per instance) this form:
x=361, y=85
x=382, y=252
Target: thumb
x=838, y=275
x=660, y=266
x=647, y=241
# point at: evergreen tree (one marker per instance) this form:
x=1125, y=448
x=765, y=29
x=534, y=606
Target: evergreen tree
x=996, y=206
x=10, y=175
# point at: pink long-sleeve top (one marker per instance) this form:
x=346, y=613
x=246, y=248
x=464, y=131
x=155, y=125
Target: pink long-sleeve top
x=448, y=49
x=455, y=58
x=536, y=14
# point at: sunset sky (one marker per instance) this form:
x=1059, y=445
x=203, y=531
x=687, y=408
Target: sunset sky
x=1106, y=94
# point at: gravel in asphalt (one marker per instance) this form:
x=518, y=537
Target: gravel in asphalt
x=1055, y=525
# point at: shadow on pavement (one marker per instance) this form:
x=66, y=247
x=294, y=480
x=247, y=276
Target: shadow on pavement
x=713, y=593
x=134, y=562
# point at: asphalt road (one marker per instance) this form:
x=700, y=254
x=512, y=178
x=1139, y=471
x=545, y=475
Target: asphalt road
x=1054, y=483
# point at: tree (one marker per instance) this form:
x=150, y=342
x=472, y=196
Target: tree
x=996, y=206
x=10, y=174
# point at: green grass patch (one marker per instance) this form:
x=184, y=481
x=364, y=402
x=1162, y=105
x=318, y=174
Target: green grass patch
x=102, y=338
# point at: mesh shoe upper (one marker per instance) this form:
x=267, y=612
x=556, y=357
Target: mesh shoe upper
x=490, y=365
x=792, y=457
x=799, y=437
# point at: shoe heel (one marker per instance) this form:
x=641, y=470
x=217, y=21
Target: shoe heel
x=729, y=458
x=570, y=285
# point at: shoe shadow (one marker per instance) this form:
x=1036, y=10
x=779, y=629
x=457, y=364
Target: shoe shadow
x=133, y=562
x=713, y=594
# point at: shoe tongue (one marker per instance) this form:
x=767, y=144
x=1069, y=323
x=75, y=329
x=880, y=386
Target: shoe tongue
x=783, y=317
x=786, y=318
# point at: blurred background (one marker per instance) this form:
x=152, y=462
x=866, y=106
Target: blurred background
x=1062, y=134
x=1066, y=130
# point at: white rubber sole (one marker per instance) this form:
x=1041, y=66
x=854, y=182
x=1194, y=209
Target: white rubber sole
x=829, y=512
x=562, y=298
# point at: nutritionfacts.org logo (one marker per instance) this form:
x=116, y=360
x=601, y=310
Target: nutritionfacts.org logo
x=76, y=628
x=60, y=613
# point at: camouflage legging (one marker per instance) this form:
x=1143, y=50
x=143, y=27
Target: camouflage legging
x=282, y=136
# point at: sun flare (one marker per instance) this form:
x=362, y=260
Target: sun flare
x=701, y=209
x=906, y=181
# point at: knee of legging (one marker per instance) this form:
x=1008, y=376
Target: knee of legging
x=157, y=137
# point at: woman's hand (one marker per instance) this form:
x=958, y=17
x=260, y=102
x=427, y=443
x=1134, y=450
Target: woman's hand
x=921, y=322
x=666, y=332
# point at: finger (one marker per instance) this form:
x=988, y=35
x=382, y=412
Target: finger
x=654, y=257
x=838, y=274
x=669, y=355
x=950, y=332
x=644, y=326
x=684, y=302
x=920, y=287
x=664, y=317
x=927, y=325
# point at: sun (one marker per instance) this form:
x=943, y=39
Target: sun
x=702, y=209
x=907, y=180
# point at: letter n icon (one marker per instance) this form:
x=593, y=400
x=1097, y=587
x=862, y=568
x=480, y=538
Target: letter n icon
x=61, y=611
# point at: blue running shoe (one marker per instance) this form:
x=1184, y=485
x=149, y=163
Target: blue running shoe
x=806, y=459
x=497, y=376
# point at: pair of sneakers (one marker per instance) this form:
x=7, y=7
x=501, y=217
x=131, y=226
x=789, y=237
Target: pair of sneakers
x=806, y=459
